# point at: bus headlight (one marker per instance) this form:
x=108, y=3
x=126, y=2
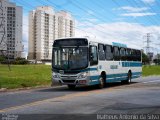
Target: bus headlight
x=55, y=75
x=82, y=75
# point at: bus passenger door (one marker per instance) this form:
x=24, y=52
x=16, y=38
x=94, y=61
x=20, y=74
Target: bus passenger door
x=109, y=64
x=93, y=57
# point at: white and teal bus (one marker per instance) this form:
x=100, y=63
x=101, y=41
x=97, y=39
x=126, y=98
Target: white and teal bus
x=83, y=61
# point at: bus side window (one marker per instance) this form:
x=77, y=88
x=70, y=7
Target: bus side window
x=123, y=53
x=133, y=55
x=101, y=51
x=93, y=55
x=116, y=54
x=138, y=52
x=128, y=55
x=109, y=52
x=137, y=55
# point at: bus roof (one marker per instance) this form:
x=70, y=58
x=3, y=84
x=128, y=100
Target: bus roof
x=99, y=41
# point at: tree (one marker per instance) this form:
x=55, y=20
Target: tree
x=2, y=58
x=145, y=59
x=156, y=61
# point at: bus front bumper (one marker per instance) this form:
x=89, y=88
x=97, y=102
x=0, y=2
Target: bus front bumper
x=70, y=82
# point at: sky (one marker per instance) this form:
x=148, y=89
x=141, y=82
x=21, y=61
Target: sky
x=123, y=21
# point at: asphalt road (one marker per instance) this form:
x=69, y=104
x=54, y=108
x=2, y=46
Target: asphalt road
x=142, y=96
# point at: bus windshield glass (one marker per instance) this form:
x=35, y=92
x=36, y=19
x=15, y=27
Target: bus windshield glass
x=70, y=58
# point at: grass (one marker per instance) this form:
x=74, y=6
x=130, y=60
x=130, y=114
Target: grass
x=151, y=70
x=24, y=76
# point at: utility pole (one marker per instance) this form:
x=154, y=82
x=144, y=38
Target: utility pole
x=148, y=47
x=158, y=53
x=148, y=41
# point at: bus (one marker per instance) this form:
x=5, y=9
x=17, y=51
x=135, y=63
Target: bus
x=85, y=61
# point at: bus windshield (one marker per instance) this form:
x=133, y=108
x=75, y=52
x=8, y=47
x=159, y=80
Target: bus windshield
x=70, y=58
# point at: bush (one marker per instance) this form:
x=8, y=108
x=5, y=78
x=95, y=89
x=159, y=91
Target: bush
x=20, y=61
x=17, y=61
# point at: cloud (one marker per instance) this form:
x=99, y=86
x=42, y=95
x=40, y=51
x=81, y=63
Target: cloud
x=131, y=34
x=139, y=14
x=92, y=19
x=90, y=12
x=149, y=1
x=86, y=22
x=133, y=9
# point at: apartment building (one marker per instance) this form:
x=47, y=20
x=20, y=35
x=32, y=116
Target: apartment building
x=65, y=25
x=11, y=29
x=46, y=25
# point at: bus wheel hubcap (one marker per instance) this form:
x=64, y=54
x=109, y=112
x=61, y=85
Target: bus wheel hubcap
x=101, y=82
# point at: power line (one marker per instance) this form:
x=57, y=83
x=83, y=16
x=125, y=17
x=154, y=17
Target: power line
x=81, y=8
x=74, y=27
x=136, y=4
x=50, y=24
x=152, y=20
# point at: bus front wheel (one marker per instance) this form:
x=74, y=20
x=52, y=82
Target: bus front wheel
x=71, y=86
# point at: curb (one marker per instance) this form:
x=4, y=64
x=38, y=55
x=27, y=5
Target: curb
x=27, y=88
x=3, y=89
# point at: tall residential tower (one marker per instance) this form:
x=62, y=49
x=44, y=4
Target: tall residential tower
x=45, y=25
x=10, y=29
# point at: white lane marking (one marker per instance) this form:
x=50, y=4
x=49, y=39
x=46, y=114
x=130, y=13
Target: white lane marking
x=152, y=81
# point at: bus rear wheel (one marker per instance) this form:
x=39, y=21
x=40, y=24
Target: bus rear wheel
x=102, y=83
x=129, y=78
x=71, y=86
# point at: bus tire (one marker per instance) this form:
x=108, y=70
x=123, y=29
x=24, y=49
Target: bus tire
x=102, y=83
x=129, y=79
x=71, y=87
